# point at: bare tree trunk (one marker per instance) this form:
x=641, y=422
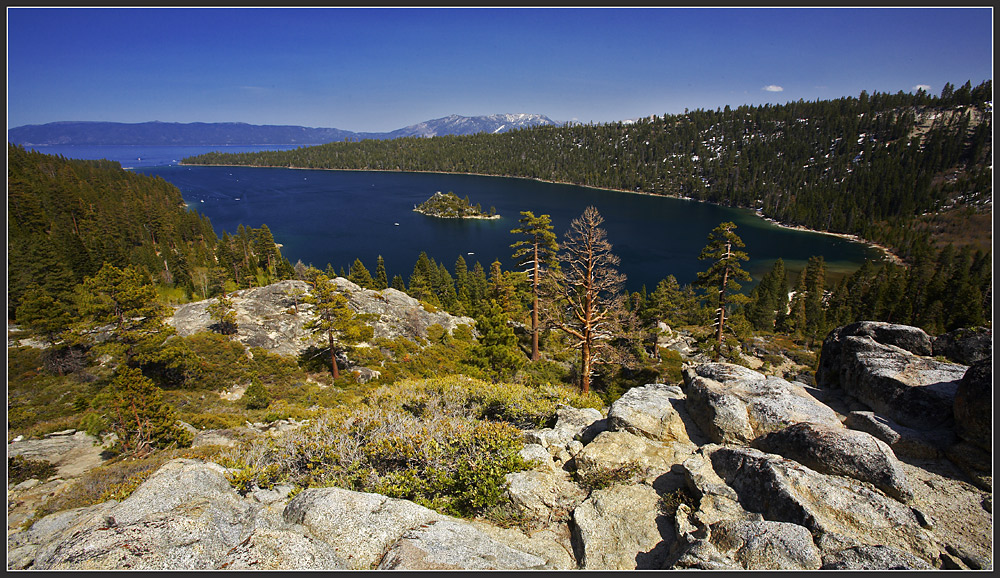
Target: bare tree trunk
x=535, y=356
x=722, y=296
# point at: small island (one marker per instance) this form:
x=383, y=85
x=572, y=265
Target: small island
x=449, y=206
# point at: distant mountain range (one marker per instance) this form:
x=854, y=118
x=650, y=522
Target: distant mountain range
x=238, y=133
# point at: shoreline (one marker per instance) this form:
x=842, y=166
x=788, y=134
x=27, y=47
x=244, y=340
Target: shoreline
x=461, y=218
x=886, y=252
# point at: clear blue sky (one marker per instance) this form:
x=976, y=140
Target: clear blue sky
x=383, y=69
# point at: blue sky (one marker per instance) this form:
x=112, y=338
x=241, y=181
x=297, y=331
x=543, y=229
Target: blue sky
x=383, y=69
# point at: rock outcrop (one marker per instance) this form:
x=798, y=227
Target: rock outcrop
x=840, y=451
x=730, y=470
x=733, y=404
x=885, y=367
x=973, y=409
x=273, y=317
x=966, y=346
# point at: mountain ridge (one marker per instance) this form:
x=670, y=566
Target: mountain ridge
x=241, y=133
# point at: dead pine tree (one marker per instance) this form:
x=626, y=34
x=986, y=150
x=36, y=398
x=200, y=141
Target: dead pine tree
x=724, y=273
x=588, y=304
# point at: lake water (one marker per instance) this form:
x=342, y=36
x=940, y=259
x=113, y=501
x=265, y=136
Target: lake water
x=334, y=217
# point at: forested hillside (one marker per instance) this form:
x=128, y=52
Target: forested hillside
x=66, y=218
x=872, y=165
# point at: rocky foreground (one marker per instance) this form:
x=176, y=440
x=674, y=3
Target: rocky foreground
x=884, y=463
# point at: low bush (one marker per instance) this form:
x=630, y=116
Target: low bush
x=670, y=501
x=455, y=465
x=606, y=477
x=20, y=468
x=462, y=396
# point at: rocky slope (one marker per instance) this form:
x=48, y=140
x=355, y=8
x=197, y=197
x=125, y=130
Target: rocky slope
x=273, y=317
x=731, y=469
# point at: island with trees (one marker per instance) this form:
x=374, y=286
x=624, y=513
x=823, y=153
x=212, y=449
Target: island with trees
x=450, y=206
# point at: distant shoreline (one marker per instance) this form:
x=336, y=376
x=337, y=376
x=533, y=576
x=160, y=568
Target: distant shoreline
x=889, y=255
x=476, y=217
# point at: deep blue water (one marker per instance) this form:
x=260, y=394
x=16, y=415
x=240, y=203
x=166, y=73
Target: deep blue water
x=333, y=217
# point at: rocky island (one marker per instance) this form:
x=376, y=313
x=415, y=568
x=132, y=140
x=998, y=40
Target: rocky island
x=450, y=206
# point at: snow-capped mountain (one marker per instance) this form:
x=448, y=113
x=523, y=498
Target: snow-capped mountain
x=459, y=125
x=230, y=133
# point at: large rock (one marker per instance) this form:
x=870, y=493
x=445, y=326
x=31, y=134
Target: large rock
x=839, y=511
x=616, y=449
x=745, y=404
x=653, y=411
x=966, y=345
x=620, y=528
x=890, y=376
x=359, y=526
x=973, y=407
x=453, y=545
x=840, y=451
x=912, y=339
x=766, y=545
x=571, y=424
x=552, y=544
x=72, y=453
x=271, y=544
x=266, y=316
x=185, y=516
x=396, y=313
x=545, y=497
x=904, y=441
x=873, y=558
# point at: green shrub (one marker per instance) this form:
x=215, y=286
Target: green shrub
x=93, y=423
x=462, y=396
x=608, y=476
x=453, y=464
x=671, y=363
x=671, y=500
x=255, y=396
x=214, y=420
x=124, y=489
x=20, y=468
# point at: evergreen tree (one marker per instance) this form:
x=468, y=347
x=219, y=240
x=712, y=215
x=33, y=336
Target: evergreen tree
x=125, y=300
x=537, y=254
x=769, y=300
x=496, y=350
x=44, y=315
x=381, y=281
x=797, y=319
x=265, y=249
x=502, y=289
x=815, y=313
x=223, y=313
x=334, y=319
x=724, y=272
x=141, y=419
x=421, y=283
x=360, y=276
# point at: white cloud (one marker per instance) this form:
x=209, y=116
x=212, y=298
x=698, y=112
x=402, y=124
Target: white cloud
x=923, y=87
x=773, y=88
